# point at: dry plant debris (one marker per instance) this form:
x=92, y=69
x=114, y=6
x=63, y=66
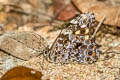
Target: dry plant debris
x=24, y=45
x=22, y=73
x=100, y=9
x=64, y=9
x=14, y=13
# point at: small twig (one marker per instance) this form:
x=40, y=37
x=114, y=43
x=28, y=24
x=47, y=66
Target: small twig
x=117, y=16
x=107, y=57
x=114, y=52
x=116, y=21
x=107, y=49
x=98, y=26
x=55, y=40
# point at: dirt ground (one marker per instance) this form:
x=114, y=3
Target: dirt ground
x=29, y=16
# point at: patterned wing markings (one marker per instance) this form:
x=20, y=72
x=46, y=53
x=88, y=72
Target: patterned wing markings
x=71, y=45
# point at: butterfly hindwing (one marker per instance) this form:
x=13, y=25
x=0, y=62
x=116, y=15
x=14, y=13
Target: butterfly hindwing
x=73, y=44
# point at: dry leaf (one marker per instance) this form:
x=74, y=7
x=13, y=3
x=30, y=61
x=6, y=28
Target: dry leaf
x=100, y=9
x=24, y=45
x=22, y=73
x=67, y=13
x=63, y=9
x=20, y=12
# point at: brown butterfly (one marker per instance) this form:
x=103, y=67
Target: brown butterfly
x=74, y=43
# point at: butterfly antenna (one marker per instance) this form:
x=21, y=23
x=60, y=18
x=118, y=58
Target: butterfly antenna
x=98, y=26
x=55, y=40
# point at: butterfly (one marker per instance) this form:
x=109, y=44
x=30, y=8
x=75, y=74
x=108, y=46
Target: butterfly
x=74, y=43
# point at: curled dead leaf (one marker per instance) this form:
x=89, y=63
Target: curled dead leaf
x=63, y=9
x=22, y=73
x=67, y=13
